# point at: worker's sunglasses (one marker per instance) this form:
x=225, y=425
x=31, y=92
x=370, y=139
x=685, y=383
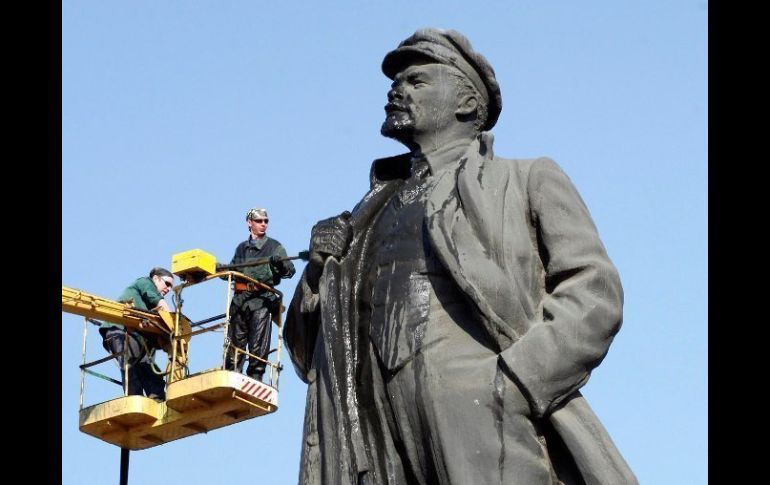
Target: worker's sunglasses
x=169, y=284
x=260, y=221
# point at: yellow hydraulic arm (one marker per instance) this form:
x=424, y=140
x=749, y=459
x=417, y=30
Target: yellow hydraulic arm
x=85, y=304
x=163, y=323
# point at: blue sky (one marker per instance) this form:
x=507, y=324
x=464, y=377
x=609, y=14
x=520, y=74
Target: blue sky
x=177, y=117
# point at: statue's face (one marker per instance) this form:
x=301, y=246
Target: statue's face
x=422, y=101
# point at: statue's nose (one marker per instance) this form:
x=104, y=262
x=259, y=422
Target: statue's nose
x=395, y=93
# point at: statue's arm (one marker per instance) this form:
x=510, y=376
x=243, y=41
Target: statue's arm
x=301, y=328
x=329, y=238
x=583, y=298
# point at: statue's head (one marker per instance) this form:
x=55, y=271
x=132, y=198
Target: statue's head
x=439, y=82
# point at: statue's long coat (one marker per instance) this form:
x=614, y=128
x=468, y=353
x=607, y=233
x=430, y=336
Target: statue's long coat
x=520, y=243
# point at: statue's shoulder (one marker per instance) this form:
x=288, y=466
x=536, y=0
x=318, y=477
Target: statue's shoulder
x=523, y=166
x=518, y=173
x=523, y=163
x=483, y=148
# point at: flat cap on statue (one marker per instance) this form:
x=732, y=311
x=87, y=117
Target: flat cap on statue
x=453, y=49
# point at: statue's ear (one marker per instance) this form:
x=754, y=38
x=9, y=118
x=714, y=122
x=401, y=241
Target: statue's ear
x=467, y=105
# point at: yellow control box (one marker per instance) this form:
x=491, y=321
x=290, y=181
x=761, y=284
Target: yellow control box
x=194, y=263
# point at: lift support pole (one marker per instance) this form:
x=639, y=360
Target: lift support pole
x=124, y=466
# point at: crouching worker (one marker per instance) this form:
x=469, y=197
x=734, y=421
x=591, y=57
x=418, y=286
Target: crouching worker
x=145, y=294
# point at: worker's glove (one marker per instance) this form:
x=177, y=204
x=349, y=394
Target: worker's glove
x=329, y=237
x=276, y=264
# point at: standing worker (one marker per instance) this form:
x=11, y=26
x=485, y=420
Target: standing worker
x=145, y=294
x=252, y=307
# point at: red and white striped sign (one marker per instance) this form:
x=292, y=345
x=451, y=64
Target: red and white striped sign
x=257, y=389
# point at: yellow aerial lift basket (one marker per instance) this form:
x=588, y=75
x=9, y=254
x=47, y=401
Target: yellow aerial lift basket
x=195, y=403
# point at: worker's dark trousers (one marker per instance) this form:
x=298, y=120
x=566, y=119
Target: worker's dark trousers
x=141, y=377
x=249, y=327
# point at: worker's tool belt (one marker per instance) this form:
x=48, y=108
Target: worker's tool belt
x=241, y=287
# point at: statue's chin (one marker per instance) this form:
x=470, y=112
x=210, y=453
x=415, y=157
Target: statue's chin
x=398, y=127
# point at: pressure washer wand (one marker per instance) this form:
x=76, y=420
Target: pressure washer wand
x=303, y=255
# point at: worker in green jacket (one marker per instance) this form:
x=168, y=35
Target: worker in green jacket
x=146, y=293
